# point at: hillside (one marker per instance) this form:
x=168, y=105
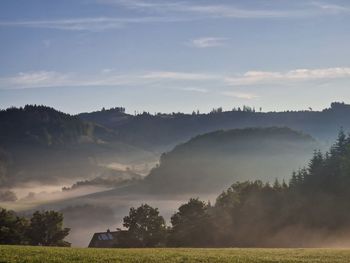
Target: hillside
x=212, y=161
x=164, y=131
x=41, y=144
x=111, y=118
x=40, y=125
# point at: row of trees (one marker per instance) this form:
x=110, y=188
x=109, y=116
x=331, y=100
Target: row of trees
x=316, y=201
x=43, y=228
x=40, y=125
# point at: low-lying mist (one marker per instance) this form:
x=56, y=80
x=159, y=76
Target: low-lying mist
x=86, y=216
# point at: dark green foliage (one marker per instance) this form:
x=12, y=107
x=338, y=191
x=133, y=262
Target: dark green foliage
x=39, y=143
x=191, y=225
x=160, y=131
x=12, y=228
x=316, y=203
x=4, y=165
x=40, y=124
x=46, y=229
x=145, y=227
x=211, y=161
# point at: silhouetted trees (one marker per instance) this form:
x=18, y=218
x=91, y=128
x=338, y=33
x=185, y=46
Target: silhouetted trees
x=191, y=225
x=316, y=202
x=145, y=227
x=44, y=229
x=12, y=228
x=4, y=165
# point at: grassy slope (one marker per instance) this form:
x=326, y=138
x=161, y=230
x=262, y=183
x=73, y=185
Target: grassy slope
x=39, y=254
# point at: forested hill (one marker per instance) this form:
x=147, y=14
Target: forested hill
x=46, y=126
x=39, y=143
x=166, y=130
x=111, y=118
x=212, y=161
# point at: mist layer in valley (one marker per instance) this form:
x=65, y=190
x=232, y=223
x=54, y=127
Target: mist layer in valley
x=202, y=167
x=94, y=174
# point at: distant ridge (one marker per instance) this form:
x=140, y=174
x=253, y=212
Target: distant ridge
x=214, y=160
x=41, y=144
x=164, y=131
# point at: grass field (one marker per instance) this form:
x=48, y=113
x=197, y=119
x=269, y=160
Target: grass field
x=40, y=254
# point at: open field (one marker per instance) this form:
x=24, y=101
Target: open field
x=40, y=254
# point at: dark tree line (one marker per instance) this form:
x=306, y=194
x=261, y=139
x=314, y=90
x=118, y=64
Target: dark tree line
x=316, y=200
x=42, y=229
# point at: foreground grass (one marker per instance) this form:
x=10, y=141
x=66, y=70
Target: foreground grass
x=41, y=254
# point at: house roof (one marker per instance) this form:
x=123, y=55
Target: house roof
x=106, y=239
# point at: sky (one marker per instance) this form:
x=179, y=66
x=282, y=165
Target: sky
x=171, y=56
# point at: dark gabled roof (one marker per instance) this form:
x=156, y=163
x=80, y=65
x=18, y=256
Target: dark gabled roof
x=106, y=239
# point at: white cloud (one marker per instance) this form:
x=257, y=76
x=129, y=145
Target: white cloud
x=227, y=10
x=195, y=89
x=110, y=77
x=263, y=77
x=87, y=24
x=331, y=8
x=170, y=75
x=34, y=79
x=106, y=77
x=207, y=42
x=176, y=11
x=240, y=95
x=40, y=79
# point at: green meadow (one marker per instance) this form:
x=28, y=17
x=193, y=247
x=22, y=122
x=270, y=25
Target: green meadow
x=48, y=254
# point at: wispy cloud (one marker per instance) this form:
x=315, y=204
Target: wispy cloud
x=265, y=77
x=191, y=81
x=208, y=42
x=331, y=7
x=170, y=75
x=227, y=10
x=87, y=24
x=175, y=11
x=39, y=79
x=106, y=77
x=240, y=95
x=195, y=89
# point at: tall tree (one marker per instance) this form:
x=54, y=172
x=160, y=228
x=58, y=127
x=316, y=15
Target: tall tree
x=191, y=225
x=46, y=229
x=12, y=228
x=146, y=228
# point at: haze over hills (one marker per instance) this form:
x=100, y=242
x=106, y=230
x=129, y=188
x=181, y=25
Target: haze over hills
x=40, y=144
x=164, y=131
x=74, y=146
x=110, y=149
x=209, y=162
x=203, y=167
x=108, y=105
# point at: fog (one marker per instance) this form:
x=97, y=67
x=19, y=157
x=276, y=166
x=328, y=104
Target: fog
x=202, y=167
x=87, y=215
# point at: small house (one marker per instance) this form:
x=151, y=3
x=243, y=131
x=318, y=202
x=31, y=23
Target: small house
x=107, y=239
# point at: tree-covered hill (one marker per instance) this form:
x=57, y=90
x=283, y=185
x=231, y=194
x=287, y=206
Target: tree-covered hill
x=211, y=161
x=111, y=118
x=313, y=210
x=46, y=126
x=163, y=131
x=41, y=144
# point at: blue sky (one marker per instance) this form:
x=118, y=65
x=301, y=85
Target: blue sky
x=180, y=55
